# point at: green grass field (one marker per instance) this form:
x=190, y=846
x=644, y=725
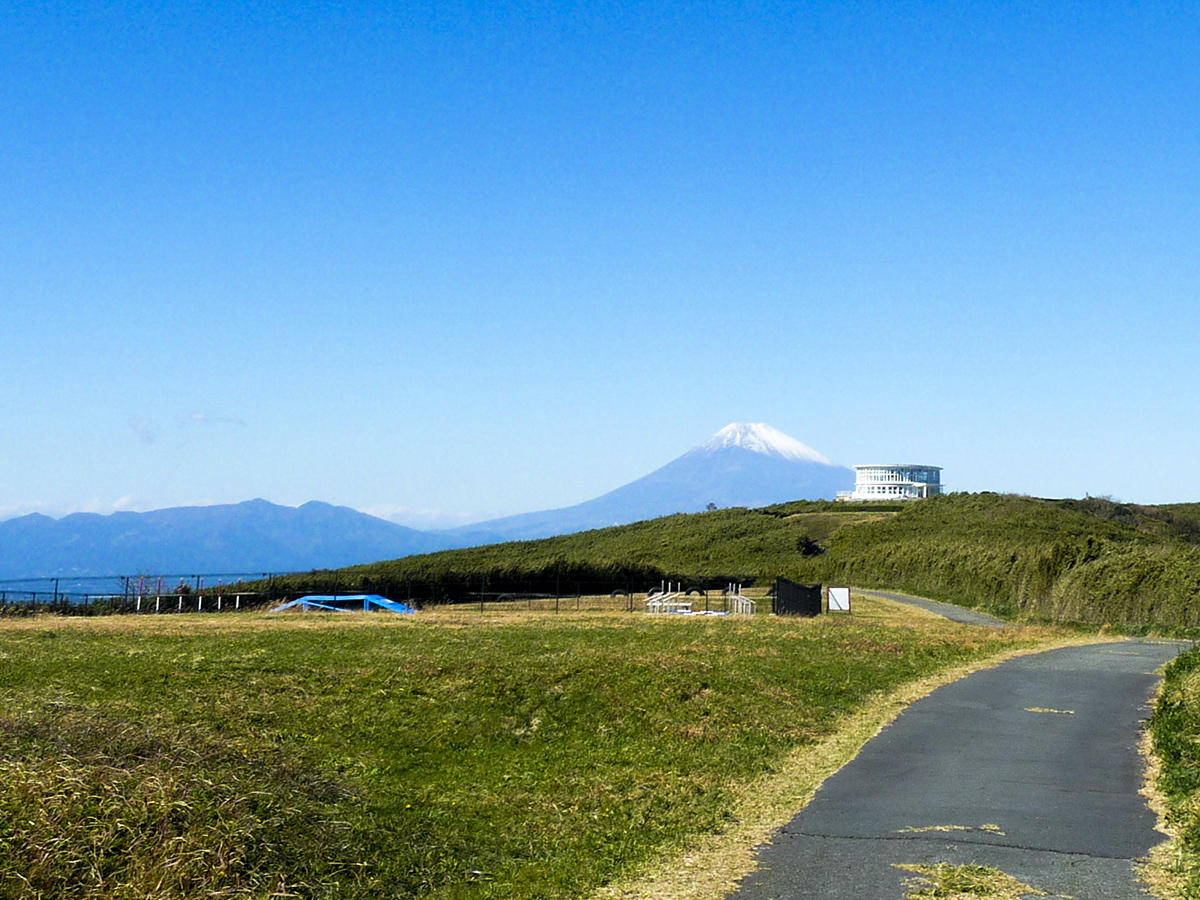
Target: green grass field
x=459, y=755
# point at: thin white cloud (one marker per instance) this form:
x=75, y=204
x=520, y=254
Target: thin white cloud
x=219, y=419
x=145, y=429
x=126, y=503
x=13, y=510
x=426, y=518
x=148, y=430
x=106, y=507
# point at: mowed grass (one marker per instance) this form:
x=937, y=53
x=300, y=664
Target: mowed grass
x=445, y=756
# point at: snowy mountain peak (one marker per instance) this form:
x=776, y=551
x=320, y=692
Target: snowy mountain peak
x=761, y=438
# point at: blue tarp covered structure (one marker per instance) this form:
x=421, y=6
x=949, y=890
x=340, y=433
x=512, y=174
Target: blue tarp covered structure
x=345, y=603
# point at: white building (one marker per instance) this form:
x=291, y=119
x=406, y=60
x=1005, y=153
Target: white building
x=895, y=482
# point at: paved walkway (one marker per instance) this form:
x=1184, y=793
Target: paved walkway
x=1031, y=767
x=946, y=610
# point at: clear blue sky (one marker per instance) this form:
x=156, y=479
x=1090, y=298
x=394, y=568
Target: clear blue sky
x=460, y=260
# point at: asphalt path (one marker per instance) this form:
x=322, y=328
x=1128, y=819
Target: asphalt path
x=945, y=610
x=1031, y=767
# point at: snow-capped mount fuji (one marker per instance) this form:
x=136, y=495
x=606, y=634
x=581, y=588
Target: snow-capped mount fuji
x=764, y=439
x=741, y=465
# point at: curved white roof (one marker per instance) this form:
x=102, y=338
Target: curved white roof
x=896, y=466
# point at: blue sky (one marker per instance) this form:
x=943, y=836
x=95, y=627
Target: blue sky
x=450, y=261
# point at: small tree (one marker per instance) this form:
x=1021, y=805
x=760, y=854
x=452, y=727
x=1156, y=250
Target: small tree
x=808, y=547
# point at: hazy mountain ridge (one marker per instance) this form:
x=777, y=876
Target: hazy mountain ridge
x=253, y=536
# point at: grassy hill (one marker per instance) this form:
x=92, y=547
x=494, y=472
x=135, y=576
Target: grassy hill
x=757, y=543
x=1091, y=561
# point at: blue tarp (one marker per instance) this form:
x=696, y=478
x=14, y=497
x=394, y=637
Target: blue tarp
x=331, y=601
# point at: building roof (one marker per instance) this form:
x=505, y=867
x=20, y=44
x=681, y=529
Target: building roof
x=896, y=466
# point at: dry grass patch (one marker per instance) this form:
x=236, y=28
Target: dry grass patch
x=1164, y=872
x=965, y=882
x=1171, y=749
x=100, y=808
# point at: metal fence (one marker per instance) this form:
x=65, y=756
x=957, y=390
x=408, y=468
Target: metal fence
x=236, y=592
x=92, y=595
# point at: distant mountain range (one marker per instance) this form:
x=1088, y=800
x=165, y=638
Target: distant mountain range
x=741, y=465
x=255, y=536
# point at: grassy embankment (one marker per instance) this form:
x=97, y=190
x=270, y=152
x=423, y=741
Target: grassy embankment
x=448, y=755
x=1090, y=561
x=1175, y=734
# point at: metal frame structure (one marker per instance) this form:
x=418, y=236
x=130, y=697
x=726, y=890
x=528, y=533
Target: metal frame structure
x=329, y=602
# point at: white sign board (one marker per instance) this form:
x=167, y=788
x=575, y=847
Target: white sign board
x=839, y=599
